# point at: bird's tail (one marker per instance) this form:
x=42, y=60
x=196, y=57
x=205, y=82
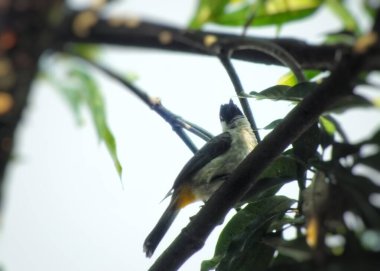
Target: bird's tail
x=155, y=236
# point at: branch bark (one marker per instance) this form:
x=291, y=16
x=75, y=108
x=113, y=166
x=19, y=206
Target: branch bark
x=144, y=34
x=25, y=31
x=245, y=177
x=177, y=123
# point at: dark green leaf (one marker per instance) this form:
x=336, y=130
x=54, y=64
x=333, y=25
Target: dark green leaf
x=210, y=264
x=284, y=166
x=274, y=93
x=375, y=139
x=358, y=189
x=305, y=147
x=265, y=187
x=241, y=239
x=350, y=101
x=372, y=161
x=273, y=124
x=282, y=92
x=295, y=249
x=299, y=91
x=247, y=228
x=343, y=149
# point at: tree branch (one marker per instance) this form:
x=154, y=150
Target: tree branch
x=262, y=46
x=25, y=33
x=245, y=176
x=225, y=59
x=177, y=123
x=144, y=34
x=271, y=49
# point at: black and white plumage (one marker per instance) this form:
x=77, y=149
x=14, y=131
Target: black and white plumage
x=204, y=173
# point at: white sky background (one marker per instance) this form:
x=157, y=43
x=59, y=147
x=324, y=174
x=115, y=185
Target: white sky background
x=65, y=207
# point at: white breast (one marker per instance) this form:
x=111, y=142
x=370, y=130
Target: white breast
x=212, y=175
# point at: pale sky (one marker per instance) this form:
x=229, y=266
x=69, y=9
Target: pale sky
x=65, y=207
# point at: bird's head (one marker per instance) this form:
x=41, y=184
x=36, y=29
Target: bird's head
x=229, y=114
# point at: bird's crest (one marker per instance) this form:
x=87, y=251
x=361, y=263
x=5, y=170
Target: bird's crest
x=229, y=111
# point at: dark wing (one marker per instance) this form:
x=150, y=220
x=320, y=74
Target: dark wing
x=213, y=148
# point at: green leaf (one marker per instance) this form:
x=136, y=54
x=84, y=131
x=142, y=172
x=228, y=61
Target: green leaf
x=272, y=12
x=305, y=147
x=344, y=149
x=358, y=189
x=341, y=11
x=274, y=93
x=210, y=264
x=327, y=125
x=349, y=102
x=328, y=129
x=206, y=11
x=281, y=92
x=239, y=245
x=289, y=78
x=266, y=187
x=273, y=124
x=295, y=249
x=285, y=166
x=95, y=102
x=372, y=161
x=262, y=12
x=246, y=250
x=88, y=51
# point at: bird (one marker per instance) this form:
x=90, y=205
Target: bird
x=205, y=172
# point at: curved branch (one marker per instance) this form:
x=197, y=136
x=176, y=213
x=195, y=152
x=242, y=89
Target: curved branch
x=177, y=123
x=272, y=50
x=144, y=34
x=246, y=175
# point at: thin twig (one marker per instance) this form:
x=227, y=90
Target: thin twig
x=177, y=123
x=266, y=47
x=225, y=59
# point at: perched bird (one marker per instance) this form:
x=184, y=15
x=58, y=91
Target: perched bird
x=204, y=173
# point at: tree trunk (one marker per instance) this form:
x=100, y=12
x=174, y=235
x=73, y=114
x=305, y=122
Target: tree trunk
x=25, y=32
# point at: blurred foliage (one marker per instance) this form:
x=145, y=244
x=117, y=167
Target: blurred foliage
x=258, y=13
x=79, y=88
